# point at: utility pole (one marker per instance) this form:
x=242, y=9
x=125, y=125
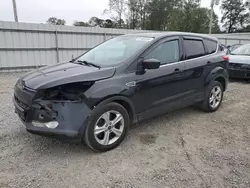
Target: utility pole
x=213, y=2
x=15, y=10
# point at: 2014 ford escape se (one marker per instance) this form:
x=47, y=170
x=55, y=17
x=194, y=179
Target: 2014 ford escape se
x=96, y=96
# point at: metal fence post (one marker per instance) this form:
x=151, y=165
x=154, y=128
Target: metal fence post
x=57, y=48
x=105, y=37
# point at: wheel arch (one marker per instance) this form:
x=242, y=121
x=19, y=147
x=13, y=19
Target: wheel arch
x=217, y=74
x=123, y=101
x=222, y=80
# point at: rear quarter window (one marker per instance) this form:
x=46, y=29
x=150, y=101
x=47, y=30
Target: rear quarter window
x=210, y=45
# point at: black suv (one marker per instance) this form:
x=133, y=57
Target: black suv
x=96, y=96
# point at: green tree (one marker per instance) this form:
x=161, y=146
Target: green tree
x=117, y=10
x=95, y=22
x=56, y=21
x=165, y=15
x=81, y=23
x=137, y=13
x=190, y=17
x=235, y=14
x=108, y=23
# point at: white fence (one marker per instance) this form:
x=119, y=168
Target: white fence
x=233, y=38
x=26, y=46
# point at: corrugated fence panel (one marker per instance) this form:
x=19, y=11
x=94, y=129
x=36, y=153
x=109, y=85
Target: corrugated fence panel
x=24, y=46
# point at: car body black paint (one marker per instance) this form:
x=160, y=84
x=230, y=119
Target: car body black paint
x=151, y=93
x=64, y=73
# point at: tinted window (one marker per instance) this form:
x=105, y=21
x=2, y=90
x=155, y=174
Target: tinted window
x=211, y=46
x=194, y=48
x=166, y=53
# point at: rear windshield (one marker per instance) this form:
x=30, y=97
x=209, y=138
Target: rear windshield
x=242, y=50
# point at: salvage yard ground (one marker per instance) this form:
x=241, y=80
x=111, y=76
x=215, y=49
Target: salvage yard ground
x=186, y=148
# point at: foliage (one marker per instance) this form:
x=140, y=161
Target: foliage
x=97, y=22
x=169, y=15
x=235, y=14
x=56, y=21
x=80, y=23
x=116, y=10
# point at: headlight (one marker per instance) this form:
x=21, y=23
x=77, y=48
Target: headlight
x=72, y=91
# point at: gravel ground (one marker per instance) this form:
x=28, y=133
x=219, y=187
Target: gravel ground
x=186, y=148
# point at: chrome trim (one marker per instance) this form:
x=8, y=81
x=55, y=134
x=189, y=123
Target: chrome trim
x=29, y=89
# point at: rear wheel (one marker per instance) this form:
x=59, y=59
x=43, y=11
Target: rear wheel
x=107, y=127
x=214, y=97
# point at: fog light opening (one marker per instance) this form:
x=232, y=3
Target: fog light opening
x=52, y=124
x=37, y=124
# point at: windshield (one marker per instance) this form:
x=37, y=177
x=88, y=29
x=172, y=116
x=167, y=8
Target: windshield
x=115, y=51
x=242, y=50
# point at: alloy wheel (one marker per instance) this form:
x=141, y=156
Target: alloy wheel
x=109, y=127
x=215, y=97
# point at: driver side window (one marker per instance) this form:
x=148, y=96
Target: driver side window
x=166, y=53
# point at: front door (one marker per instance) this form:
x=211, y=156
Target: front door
x=160, y=90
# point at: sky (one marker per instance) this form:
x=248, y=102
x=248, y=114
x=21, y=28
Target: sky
x=38, y=11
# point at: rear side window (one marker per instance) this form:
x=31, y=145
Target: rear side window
x=211, y=46
x=166, y=53
x=194, y=48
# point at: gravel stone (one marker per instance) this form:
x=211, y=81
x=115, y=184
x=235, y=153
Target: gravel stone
x=185, y=148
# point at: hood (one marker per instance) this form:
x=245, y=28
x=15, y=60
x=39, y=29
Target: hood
x=64, y=73
x=242, y=59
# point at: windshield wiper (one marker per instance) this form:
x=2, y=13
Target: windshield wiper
x=89, y=64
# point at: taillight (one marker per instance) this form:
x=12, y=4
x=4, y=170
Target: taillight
x=225, y=57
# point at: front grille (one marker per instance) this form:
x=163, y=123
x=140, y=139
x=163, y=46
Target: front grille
x=22, y=115
x=21, y=104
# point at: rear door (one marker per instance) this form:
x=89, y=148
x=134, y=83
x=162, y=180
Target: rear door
x=198, y=61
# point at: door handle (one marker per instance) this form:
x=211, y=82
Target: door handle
x=177, y=70
x=209, y=62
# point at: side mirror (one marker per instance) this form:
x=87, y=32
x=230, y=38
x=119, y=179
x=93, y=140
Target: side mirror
x=151, y=64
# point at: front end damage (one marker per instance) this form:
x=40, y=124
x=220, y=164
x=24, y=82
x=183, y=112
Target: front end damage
x=57, y=111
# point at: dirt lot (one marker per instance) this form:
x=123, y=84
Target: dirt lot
x=186, y=148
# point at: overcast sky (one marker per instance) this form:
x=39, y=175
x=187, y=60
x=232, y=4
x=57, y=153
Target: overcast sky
x=38, y=11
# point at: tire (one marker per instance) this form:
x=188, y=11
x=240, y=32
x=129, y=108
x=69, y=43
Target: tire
x=101, y=120
x=206, y=105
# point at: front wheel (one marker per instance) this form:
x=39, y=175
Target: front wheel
x=106, y=127
x=214, y=97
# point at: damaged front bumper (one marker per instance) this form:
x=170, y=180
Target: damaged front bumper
x=50, y=118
